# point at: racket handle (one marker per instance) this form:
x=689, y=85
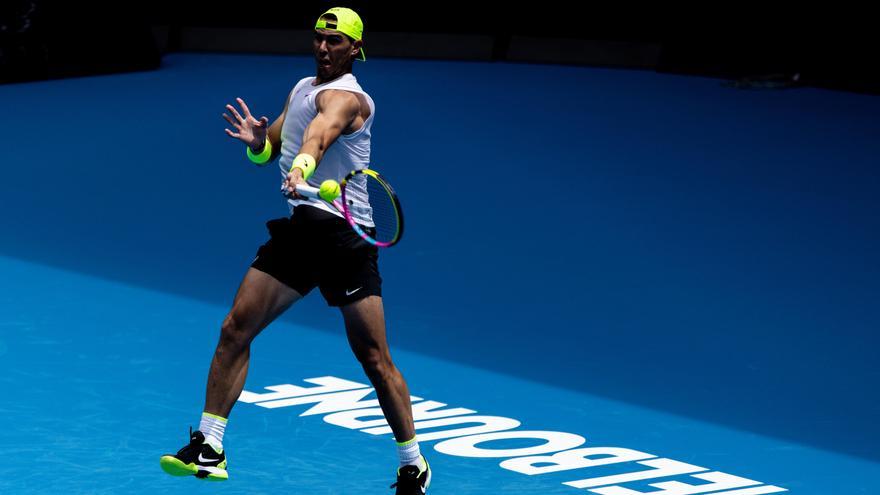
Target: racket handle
x=308, y=191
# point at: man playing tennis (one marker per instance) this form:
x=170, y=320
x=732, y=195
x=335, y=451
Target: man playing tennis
x=322, y=133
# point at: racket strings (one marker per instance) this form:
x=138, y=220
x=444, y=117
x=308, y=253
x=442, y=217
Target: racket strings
x=385, y=213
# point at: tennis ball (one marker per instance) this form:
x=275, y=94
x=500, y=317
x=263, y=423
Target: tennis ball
x=329, y=190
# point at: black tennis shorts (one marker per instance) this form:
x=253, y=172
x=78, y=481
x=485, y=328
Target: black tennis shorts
x=314, y=248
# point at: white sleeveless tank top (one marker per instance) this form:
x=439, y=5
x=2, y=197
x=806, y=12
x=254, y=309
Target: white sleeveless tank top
x=347, y=153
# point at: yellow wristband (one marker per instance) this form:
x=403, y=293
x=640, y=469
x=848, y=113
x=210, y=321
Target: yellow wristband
x=263, y=157
x=306, y=163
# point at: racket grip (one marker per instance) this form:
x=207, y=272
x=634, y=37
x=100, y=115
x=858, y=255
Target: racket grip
x=308, y=191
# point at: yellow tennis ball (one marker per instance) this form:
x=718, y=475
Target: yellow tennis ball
x=329, y=190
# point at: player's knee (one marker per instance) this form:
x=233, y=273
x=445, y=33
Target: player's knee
x=233, y=335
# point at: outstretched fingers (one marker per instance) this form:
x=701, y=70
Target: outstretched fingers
x=247, y=111
x=235, y=112
x=233, y=122
x=244, y=125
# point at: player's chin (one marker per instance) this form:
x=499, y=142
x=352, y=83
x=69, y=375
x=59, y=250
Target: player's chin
x=325, y=69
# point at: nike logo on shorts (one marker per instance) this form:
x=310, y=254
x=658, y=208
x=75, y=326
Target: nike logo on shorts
x=348, y=293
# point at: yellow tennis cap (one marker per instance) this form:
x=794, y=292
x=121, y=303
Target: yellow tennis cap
x=345, y=21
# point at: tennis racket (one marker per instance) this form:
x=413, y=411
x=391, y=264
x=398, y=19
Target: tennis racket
x=369, y=204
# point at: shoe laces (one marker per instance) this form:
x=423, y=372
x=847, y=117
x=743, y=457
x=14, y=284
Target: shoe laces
x=194, y=443
x=408, y=477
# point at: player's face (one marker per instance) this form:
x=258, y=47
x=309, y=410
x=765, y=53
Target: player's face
x=333, y=52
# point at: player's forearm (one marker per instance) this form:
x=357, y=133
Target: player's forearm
x=321, y=133
x=315, y=147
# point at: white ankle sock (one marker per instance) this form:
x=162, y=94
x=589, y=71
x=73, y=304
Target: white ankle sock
x=213, y=427
x=409, y=454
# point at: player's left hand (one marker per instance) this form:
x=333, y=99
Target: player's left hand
x=249, y=130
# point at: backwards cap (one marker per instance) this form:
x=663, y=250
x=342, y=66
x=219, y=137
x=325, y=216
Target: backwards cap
x=347, y=22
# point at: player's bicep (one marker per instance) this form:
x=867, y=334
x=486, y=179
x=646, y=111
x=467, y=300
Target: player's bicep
x=325, y=129
x=336, y=111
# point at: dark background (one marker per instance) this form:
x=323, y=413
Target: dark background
x=755, y=46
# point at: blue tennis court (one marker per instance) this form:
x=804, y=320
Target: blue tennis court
x=677, y=275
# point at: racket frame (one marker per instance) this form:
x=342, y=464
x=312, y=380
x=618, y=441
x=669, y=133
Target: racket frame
x=313, y=192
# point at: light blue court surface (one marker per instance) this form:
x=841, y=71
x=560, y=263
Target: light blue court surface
x=651, y=262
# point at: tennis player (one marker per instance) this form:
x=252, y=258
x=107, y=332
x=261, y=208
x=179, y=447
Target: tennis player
x=322, y=133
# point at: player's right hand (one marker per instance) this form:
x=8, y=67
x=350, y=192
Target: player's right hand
x=288, y=186
x=249, y=130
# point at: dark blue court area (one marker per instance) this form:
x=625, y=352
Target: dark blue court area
x=677, y=274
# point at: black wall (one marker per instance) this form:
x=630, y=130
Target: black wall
x=758, y=47
x=41, y=39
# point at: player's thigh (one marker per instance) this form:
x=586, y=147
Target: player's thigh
x=260, y=299
x=365, y=329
